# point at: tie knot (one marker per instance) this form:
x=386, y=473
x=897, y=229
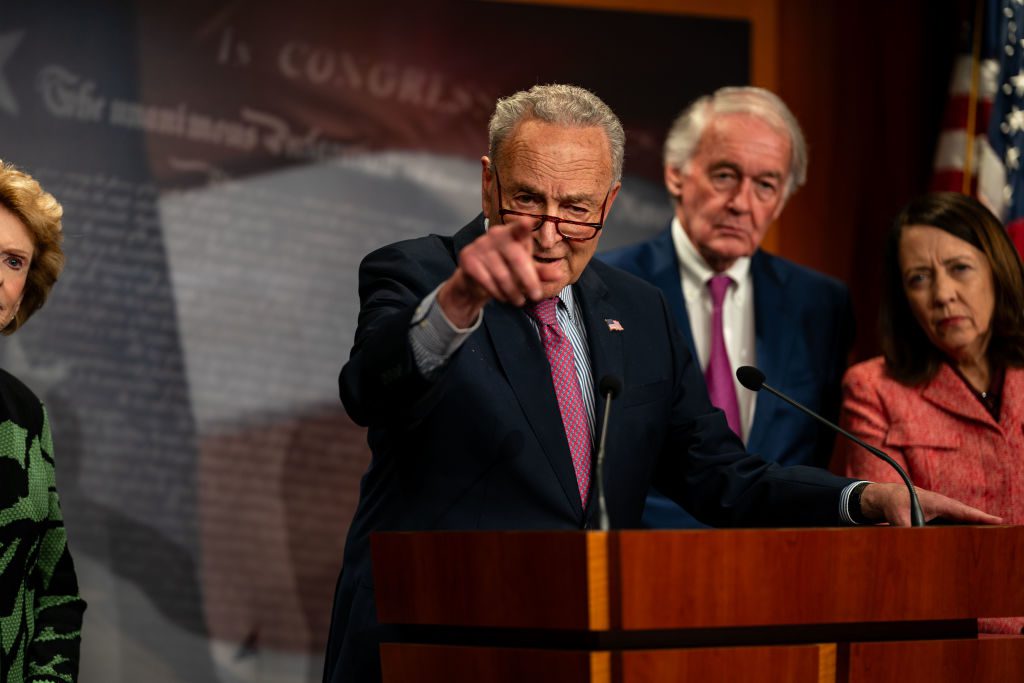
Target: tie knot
x=719, y=285
x=544, y=311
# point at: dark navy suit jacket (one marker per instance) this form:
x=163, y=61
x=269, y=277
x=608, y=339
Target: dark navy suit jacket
x=482, y=445
x=803, y=324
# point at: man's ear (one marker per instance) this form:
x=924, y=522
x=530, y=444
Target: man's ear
x=674, y=181
x=611, y=198
x=778, y=209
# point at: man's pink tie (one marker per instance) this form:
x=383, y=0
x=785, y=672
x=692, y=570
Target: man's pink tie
x=718, y=374
x=567, y=389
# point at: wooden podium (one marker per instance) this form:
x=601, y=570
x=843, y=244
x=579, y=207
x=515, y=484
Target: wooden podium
x=848, y=605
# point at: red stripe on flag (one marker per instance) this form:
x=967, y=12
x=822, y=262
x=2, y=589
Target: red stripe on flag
x=951, y=181
x=956, y=114
x=1016, y=230
x=946, y=181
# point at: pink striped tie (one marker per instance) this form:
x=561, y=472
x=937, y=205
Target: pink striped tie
x=718, y=374
x=567, y=389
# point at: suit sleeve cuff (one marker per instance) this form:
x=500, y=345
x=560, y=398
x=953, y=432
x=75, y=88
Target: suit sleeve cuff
x=433, y=338
x=849, y=504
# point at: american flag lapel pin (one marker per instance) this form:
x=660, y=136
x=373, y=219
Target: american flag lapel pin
x=614, y=325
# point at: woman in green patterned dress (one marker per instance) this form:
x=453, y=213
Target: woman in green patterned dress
x=40, y=610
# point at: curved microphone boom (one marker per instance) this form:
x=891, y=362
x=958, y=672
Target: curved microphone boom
x=609, y=386
x=753, y=379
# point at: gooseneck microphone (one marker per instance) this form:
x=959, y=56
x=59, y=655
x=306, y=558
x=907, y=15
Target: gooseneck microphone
x=753, y=379
x=609, y=386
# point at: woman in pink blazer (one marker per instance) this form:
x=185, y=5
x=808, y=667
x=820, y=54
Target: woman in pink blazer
x=946, y=400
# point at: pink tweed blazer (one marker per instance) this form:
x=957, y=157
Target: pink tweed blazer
x=945, y=439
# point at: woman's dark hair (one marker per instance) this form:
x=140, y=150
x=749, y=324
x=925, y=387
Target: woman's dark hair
x=910, y=356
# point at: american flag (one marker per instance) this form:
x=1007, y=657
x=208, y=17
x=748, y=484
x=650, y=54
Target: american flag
x=987, y=97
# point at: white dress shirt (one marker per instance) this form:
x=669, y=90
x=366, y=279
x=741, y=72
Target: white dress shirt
x=737, y=315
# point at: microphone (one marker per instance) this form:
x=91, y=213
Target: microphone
x=753, y=379
x=609, y=386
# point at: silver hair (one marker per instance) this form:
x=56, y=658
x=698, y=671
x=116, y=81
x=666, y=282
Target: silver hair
x=685, y=134
x=564, y=105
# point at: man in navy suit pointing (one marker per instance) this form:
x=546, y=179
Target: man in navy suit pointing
x=732, y=160
x=474, y=368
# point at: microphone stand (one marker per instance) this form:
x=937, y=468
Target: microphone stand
x=756, y=382
x=610, y=387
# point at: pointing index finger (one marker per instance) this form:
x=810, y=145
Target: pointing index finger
x=520, y=229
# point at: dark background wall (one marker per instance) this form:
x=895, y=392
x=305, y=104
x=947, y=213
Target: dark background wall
x=868, y=82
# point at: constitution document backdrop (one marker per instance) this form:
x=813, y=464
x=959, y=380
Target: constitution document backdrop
x=223, y=167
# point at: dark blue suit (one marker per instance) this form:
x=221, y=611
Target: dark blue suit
x=803, y=325
x=482, y=446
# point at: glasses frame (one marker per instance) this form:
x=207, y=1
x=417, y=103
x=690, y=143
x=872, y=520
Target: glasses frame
x=544, y=218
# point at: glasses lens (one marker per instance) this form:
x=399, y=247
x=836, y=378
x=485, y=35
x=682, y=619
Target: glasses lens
x=576, y=231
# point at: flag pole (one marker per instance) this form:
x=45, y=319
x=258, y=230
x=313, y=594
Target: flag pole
x=972, y=98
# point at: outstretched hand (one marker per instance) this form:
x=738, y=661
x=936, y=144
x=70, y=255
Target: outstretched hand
x=497, y=265
x=891, y=503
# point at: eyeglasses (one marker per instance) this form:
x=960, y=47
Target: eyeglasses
x=574, y=231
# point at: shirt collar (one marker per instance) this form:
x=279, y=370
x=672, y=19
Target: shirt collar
x=568, y=300
x=693, y=266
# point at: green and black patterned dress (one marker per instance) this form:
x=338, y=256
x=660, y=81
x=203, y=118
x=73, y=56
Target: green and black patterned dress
x=40, y=611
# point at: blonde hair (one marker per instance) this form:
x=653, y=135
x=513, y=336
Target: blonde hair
x=41, y=215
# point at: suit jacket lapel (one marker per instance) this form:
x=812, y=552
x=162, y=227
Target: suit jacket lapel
x=664, y=274
x=606, y=354
x=518, y=349
x=605, y=343
x=774, y=331
x=467, y=234
x=522, y=359
x=1012, y=411
x=949, y=392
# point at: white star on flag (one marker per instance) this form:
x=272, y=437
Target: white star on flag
x=1013, y=158
x=1016, y=119
x=1018, y=83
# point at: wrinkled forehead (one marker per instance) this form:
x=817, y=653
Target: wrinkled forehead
x=746, y=137
x=565, y=143
x=919, y=241
x=541, y=154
